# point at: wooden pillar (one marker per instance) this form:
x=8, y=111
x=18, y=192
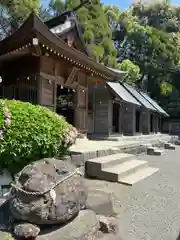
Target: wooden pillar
x=120, y=119
x=110, y=116
x=39, y=90
x=81, y=110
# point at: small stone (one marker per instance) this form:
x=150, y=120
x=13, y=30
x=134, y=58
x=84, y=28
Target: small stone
x=26, y=230
x=108, y=224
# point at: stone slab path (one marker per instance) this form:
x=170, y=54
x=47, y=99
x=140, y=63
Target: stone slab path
x=150, y=209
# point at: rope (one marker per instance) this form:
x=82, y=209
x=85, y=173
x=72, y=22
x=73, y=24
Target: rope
x=48, y=190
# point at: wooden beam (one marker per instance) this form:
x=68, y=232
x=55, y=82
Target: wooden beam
x=71, y=76
x=36, y=50
x=58, y=79
x=81, y=87
x=95, y=79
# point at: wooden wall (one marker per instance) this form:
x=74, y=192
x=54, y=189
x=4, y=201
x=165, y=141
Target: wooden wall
x=101, y=116
x=59, y=72
x=20, y=80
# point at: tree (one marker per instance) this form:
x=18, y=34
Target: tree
x=158, y=14
x=133, y=72
x=20, y=9
x=164, y=16
x=13, y=13
x=153, y=50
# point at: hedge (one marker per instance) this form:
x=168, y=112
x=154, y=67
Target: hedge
x=29, y=133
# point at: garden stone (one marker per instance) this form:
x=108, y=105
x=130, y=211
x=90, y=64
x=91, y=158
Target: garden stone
x=84, y=227
x=48, y=191
x=6, y=217
x=26, y=230
x=108, y=224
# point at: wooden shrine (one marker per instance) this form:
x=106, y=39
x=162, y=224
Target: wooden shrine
x=40, y=58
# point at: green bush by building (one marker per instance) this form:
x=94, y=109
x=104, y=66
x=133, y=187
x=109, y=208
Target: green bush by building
x=29, y=133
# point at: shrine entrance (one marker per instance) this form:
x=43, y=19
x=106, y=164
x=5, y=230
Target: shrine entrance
x=116, y=117
x=151, y=123
x=138, y=121
x=65, y=103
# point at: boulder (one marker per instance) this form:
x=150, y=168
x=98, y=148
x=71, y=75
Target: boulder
x=48, y=191
x=26, y=230
x=100, y=202
x=84, y=227
x=108, y=224
x=6, y=217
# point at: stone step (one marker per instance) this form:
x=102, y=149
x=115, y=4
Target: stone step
x=119, y=171
x=154, y=151
x=169, y=146
x=158, y=152
x=177, y=142
x=119, y=167
x=138, y=176
x=107, y=161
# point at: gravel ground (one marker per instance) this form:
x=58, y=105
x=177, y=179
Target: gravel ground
x=149, y=209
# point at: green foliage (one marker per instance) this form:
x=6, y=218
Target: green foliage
x=13, y=13
x=166, y=88
x=20, y=9
x=159, y=14
x=30, y=133
x=133, y=71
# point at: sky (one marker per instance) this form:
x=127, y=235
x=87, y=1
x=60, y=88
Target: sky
x=122, y=3
x=125, y=3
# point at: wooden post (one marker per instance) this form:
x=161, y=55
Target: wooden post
x=39, y=90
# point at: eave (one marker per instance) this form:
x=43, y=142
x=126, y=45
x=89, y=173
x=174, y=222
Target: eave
x=35, y=28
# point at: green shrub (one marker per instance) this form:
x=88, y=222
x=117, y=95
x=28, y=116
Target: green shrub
x=29, y=133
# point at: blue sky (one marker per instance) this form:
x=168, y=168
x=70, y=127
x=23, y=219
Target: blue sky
x=125, y=3
x=122, y=3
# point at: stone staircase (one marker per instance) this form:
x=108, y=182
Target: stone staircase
x=169, y=146
x=154, y=151
x=121, y=167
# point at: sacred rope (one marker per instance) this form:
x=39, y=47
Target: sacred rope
x=49, y=189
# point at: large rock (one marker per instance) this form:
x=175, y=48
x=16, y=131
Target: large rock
x=84, y=227
x=48, y=191
x=26, y=230
x=6, y=217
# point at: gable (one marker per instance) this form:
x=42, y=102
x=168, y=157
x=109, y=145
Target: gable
x=66, y=27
